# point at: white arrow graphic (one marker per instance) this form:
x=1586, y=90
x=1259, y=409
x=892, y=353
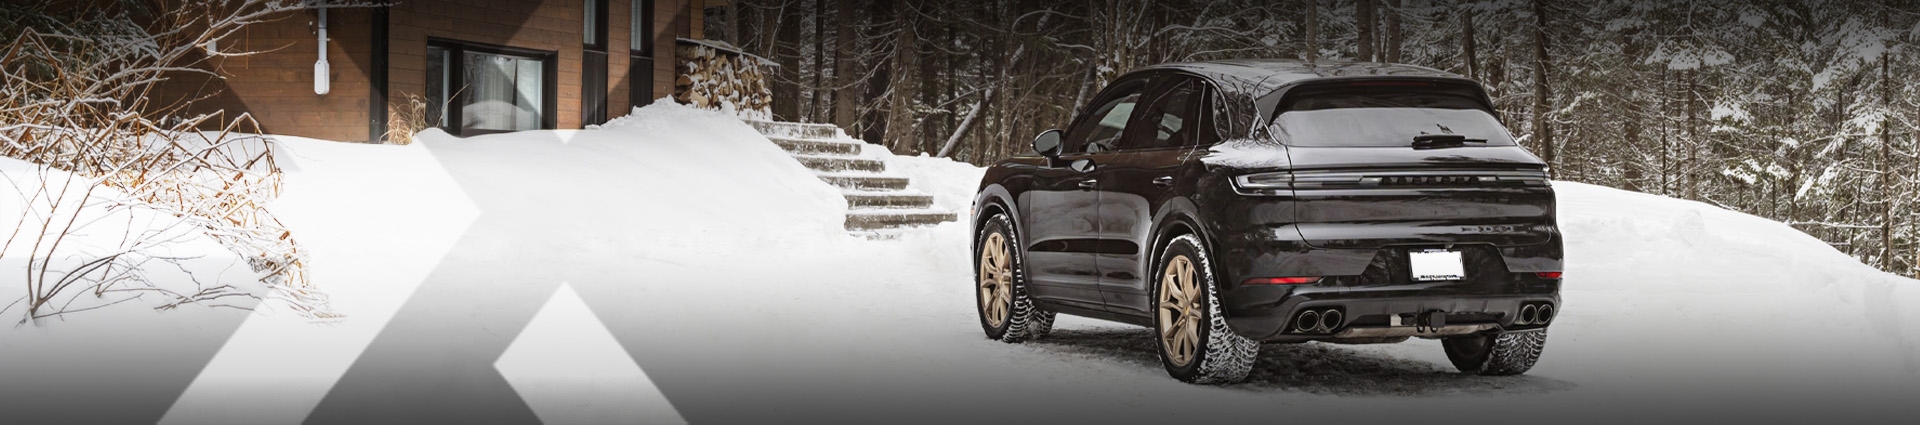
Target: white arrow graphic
x=570, y=370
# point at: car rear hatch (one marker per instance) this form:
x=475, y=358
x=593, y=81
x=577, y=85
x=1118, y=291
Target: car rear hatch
x=1467, y=195
x=1377, y=163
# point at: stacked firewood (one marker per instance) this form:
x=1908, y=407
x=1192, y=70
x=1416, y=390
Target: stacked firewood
x=710, y=77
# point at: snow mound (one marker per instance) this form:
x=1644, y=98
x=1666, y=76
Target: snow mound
x=1726, y=294
x=1633, y=235
x=667, y=170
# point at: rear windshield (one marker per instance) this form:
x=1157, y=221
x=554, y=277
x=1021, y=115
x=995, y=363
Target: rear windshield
x=1384, y=117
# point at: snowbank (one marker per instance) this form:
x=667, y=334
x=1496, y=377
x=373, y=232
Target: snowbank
x=676, y=173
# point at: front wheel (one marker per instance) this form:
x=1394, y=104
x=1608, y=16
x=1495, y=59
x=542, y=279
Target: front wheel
x=1196, y=346
x=1510, y=353
x=1000, y=286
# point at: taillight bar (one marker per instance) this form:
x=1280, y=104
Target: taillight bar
x=1298, y=280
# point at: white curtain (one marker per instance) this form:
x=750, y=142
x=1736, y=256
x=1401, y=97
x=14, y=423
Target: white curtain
x=506, y=93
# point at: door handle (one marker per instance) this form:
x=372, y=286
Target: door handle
x=1089, y=183
x=1163, y=181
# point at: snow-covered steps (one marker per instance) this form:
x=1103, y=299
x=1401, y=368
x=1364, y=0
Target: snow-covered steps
x=815, y=146
x=795, y=129
x=875, y=219
x=865, y=181
x=887, y=200
x=840, y=163
x=879, y=205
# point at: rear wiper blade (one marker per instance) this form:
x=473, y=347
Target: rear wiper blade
x=1434, y=141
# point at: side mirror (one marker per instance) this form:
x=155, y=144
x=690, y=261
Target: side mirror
x=1047, y=144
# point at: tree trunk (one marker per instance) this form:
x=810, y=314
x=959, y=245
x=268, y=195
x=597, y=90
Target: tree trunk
x=1086, y=84
x=1363, y=12
x=1542, y=92
x=1313, y=30
x=819, y=67
x=786, y=50
x=1469, y=50
x=1393, y=31
x=961, y=131
x=1693, y=135
x=731, y=26
x=1887, y=199
x=901, y=134
x=869, y=111
x=1666, y=142
x=845, y=60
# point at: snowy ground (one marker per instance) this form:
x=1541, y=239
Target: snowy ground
x=716, y=263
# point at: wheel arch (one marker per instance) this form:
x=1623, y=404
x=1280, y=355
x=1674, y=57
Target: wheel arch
x=1179, y=216
x=994, y=199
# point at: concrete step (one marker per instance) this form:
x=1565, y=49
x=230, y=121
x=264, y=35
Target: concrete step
x=865, y=182
x=888, y=200
x=866, y=220
x=890, y=234
x=816, y=147
x=794, y=129
x=836, y=164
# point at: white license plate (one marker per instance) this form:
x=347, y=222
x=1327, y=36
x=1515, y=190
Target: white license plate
x=1436, y=265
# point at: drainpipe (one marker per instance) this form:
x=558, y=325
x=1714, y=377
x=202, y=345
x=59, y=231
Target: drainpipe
x=321, y=83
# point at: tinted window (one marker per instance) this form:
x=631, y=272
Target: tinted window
x=1100, y=130
x=1383, y=117
x=1170, y=120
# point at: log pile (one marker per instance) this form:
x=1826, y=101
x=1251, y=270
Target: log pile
x=711, y=75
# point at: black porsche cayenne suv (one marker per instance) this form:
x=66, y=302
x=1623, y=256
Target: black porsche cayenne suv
x=1225, y=204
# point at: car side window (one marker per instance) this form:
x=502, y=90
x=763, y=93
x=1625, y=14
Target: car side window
x=1100, y=129
x=1211, y=118
x=1171, y=119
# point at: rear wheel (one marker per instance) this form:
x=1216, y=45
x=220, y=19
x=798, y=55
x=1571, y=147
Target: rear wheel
x=1510, y=353
x=1196, y=345
x=1000, y=288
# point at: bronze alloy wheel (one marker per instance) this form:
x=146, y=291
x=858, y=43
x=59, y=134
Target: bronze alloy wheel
x=996, y=280
x=1179, y=311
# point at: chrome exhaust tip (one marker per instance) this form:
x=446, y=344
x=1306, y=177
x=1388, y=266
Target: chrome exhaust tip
x=1306, y=322
x=1545, y=314
x=1330, y=320
x=1527, y=315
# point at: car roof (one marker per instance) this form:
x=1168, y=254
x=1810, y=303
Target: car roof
x=1256, y=78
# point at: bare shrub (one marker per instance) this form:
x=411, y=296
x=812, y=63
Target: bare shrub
x=416, y=115
x=76, y=99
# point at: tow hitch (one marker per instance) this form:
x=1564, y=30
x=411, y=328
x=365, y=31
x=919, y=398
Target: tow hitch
x=1429, y=321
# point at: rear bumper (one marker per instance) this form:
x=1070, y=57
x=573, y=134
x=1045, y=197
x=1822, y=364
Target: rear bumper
x=1374, y=317
x=1370, y=285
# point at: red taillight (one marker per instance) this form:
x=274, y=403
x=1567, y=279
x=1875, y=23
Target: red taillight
x=1548, y=275
x=1281, y=280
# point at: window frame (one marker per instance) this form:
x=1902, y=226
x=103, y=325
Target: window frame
x=640, y=49
x=1160, y=88
x=640, y=34
x=1074, y=142
x=593, y=17
x=455, y=81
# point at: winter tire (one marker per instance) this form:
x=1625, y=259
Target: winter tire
x=1510, y=353
x=1196, y=346
x=1000, y=286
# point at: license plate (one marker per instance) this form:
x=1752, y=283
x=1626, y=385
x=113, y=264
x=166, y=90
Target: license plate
x=1431, y=265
